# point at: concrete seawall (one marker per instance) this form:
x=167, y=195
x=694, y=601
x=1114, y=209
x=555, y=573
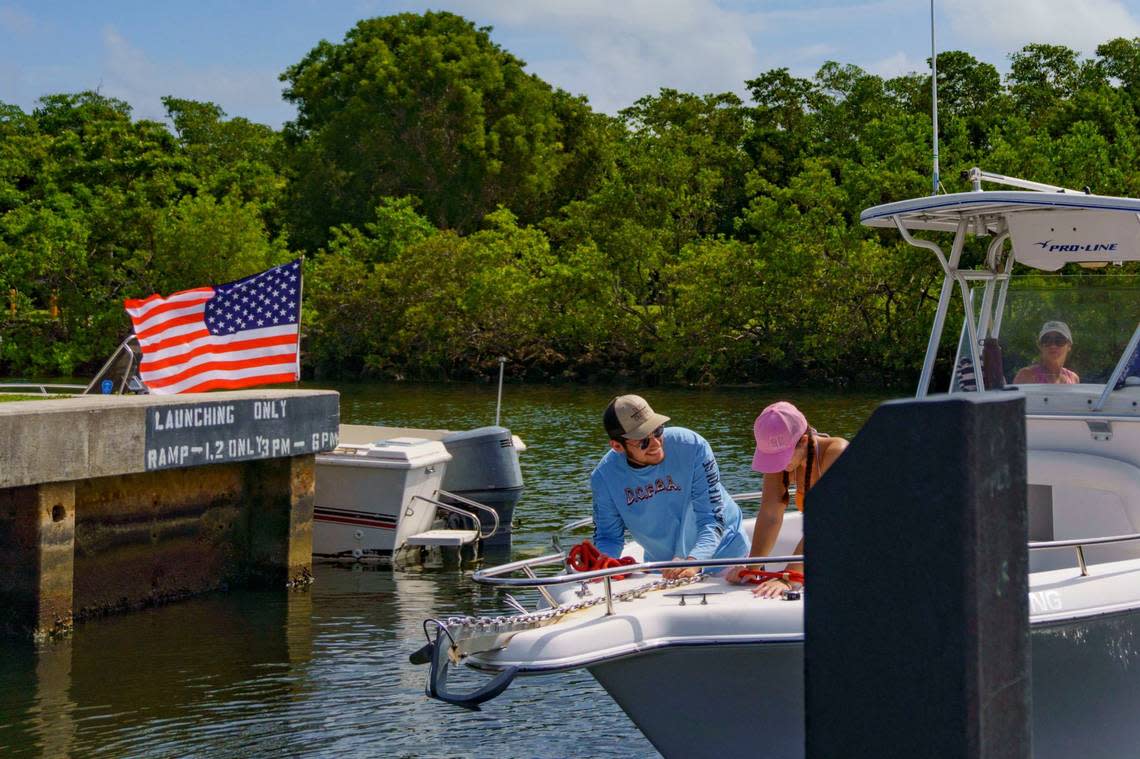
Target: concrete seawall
x=109, y=503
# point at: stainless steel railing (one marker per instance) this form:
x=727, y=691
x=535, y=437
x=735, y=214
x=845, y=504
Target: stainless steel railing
x=464, y=512
x=126, y=381
x=566, y=529
x=38, y=388
x=478, y=507
x=494, y=575
x=1079, y=544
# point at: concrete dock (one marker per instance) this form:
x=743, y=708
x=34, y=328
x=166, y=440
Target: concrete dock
x=111, y=503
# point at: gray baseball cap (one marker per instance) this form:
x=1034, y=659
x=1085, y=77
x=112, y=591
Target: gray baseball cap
x=1059, y=327
x=631, y=417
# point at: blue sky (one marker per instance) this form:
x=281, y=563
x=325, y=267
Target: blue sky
x=612, y=51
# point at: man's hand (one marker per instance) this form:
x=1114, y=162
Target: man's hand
x=680, y=573
x=733, y=575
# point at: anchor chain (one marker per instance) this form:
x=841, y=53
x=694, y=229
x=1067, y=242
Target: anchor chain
x=480, y=626
x=458, y=629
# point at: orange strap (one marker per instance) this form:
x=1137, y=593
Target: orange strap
x=585, y=557
x=757, y=576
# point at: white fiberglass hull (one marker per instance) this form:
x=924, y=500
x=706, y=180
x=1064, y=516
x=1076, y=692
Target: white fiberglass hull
x=727, y=675
x=748, y=700
x=722, y=700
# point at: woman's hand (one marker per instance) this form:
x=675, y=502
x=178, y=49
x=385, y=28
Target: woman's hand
x=775, y=588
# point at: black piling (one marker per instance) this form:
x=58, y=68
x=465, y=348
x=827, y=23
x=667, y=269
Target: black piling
x=916, y=618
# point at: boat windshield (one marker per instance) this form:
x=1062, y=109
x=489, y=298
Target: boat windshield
x=1059, y=329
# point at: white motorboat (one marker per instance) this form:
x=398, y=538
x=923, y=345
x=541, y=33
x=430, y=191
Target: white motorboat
x=484, y=467
x=387, y=489
x=377, y=500
x=483, y=481
x=702, y=667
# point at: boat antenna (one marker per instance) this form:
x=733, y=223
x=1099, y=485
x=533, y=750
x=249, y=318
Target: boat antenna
x=934, y=96
x=499, y=402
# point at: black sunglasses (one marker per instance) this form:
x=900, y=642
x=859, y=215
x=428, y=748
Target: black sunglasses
x=1048, y=340
x=643, y=444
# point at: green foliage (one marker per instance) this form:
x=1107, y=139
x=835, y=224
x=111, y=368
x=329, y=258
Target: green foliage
x=457, y=303
x=455, y=208
x=423, y=105
x=199, y=240
x=96, y=207
x=342, y=313
x=348, y=303
x=229, y=157
x=1041, y=76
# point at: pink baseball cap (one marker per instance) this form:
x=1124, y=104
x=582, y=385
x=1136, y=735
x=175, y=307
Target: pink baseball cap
x=777, y=430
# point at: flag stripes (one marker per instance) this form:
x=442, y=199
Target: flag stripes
x=235, y=335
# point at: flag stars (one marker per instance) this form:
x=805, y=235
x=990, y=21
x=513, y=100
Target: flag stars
x=265, y=300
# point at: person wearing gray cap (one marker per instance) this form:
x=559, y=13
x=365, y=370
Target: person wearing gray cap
x=1054, y=341
x=663, y=485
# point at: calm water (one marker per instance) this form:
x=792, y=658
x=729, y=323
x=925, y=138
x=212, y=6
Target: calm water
x=325, y=671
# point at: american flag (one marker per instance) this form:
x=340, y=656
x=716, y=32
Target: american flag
x=235, y=335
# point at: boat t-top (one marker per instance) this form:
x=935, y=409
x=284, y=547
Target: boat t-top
x=703, y=667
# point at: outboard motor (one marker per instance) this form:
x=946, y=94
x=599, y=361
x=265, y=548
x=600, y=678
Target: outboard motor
x=485, y=468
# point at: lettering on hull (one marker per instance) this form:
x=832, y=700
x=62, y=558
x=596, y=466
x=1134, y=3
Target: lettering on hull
x=1045, y=600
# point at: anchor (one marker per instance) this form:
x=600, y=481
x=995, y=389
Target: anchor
x=436, y=654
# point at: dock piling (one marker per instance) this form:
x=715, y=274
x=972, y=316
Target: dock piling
x=112, y=503
x=923, y=648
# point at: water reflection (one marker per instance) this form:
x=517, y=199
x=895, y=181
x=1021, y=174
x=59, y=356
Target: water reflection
x=38, y=689
x=158, y=681
x=54, y=719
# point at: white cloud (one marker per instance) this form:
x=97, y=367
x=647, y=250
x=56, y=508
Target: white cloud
x=1011, y=24
x=618, y=52
x=130, y=75
x=897, y=64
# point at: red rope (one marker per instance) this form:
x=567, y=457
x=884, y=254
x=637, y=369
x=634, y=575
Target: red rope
x=585, y=557
x=757, y=576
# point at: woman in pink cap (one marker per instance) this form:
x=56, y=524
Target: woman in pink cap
x=788, y=450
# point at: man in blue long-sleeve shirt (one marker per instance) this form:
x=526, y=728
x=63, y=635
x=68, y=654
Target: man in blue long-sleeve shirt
x=663, y=485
